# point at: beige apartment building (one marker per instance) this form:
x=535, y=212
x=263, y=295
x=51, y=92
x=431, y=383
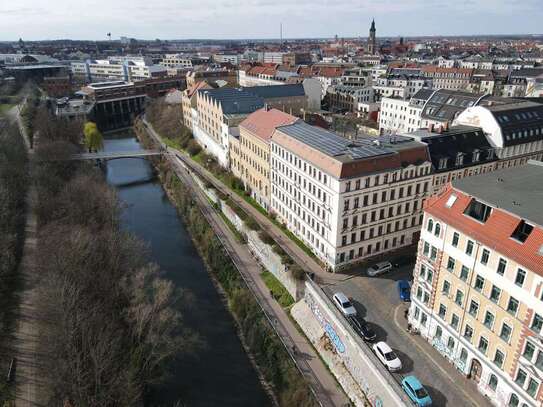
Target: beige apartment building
x=252, y=163
x=477, y=294
x=188, y=102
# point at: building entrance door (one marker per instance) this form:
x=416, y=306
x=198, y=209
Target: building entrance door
x=476, y=370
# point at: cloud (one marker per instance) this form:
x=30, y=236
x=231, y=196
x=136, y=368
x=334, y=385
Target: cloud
x=88, y=19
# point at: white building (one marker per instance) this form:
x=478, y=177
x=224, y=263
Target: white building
x=176, y=61
x=118, y=68
x=347, y=200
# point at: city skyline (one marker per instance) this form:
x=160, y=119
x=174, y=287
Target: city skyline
x=260, y=19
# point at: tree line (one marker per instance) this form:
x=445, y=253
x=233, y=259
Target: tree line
x=112, y=323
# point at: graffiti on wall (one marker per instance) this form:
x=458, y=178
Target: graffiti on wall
x=449, y=353
x=356, y=371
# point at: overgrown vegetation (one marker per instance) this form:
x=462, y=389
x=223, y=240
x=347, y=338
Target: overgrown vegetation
x=111, y=324
x=167, y=120
x=271, y=356
x=13, y=187
x=278, y=291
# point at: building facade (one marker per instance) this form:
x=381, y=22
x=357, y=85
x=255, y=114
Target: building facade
x=347, y=200
x=478, y=282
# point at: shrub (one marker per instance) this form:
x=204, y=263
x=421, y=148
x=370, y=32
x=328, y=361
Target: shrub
x=297, y=272
x=193, y=147
x=251, y=224
x=278, y=250
x=266, y=238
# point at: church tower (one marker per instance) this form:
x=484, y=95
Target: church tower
x=372, y=46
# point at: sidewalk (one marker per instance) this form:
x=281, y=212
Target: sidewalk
x=292, y=249
x=320, y=379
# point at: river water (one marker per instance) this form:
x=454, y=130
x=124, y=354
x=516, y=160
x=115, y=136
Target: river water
x=220, y=374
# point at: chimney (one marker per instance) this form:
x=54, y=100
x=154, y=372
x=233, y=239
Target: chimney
x=266, y=107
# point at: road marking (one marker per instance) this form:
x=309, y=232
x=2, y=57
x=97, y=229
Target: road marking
x=402, y=330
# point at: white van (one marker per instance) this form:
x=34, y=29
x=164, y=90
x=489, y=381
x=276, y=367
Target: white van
x=379, y=268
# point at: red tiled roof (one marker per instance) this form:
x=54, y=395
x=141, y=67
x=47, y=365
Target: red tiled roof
x=198, y=85
x=262, y=123
x=495, y=233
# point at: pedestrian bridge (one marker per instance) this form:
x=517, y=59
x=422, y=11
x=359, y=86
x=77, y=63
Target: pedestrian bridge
x=114, y=155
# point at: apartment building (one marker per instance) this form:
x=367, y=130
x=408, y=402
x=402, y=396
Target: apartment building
x=289, y=98
x=348, y=200
x=477, y=291
x=251, y=162
x=212, y=76
x=400, y=116
x=217, y=111
x=400, y=86
x=448, y=78
x=176, y=61
x=342, y=98
x=188, y=103
x=515, y=128
x=117, y=68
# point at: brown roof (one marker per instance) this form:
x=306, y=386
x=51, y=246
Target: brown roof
x=438, y=69
x=197, y=86
x=495, y=233
x=262, y=123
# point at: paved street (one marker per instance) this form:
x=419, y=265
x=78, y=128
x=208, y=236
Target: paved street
x=377, y=301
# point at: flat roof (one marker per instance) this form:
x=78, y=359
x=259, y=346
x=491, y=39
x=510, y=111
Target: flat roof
x=518, y=190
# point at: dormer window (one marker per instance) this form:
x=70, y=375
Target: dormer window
x=522, y=231
x=476, y=155
x=443, y=163
x=459, y=159
x=478, y=210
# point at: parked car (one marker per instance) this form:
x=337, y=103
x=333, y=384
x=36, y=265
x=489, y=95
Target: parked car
x=362, y=328
x=379, y=268
x=404, y=290
x=387, y=356
x=344, y=305
x=416, y=391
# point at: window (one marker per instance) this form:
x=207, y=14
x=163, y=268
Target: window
x=532, y=387
x=437, y=230
x=501, y=266
x=469, y=248
x=426, y=249
x=464, y=272
x=485, y=256
x=423, y=319
x=429, y=276
x=505, y=333
x=468, y=332
x=521, y=276
x=433, y=253
x=529, y=350
x=522, y=231
x=459, y=297
x=454, y=321
x=483, y=345
x=473, y=308
x=446, y=287
x=521, y=378
x=455, y=239
x=450, y=264
x=512, y=306
x=478, y=210
x=495, y=294
x=442, y=311
x=499, y=358
x=493, y=382
x=537, y=323
x=479, y=283
x=539, y=361
x=513, y=401
x=430, y=221
x=489, y=320
x=450, y=343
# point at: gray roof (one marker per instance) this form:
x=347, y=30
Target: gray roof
x=521, y=121
x=518, y=190
x=333, y=145
x=234, y=100
x=277, y=91
x=445, y=105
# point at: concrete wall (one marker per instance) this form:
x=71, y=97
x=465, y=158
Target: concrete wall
x=352, y=362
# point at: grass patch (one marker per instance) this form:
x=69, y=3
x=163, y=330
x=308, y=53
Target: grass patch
x=279, y=292
x=4, y=107
x=239, y=236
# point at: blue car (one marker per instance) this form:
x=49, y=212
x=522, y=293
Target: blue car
x=416, y=392
x=404, y=290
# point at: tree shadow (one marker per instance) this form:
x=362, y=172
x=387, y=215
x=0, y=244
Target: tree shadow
x=438, y=398
x=407, y=362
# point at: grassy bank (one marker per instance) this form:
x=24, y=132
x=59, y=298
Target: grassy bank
x=268, y=351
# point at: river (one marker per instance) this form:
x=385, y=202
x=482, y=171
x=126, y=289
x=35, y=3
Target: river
x=221, y=373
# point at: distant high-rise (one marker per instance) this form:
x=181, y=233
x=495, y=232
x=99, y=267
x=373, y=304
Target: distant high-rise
x=372, y=46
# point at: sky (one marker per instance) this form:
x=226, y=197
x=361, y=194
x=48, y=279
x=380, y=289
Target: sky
x=229, y=19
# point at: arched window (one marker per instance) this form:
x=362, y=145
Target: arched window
x=513, y=401
x=493, y=382
x=430, y=225
x=437, y=230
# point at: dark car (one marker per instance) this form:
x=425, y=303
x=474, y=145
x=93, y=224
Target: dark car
x=404, y=290
x=362, y=328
